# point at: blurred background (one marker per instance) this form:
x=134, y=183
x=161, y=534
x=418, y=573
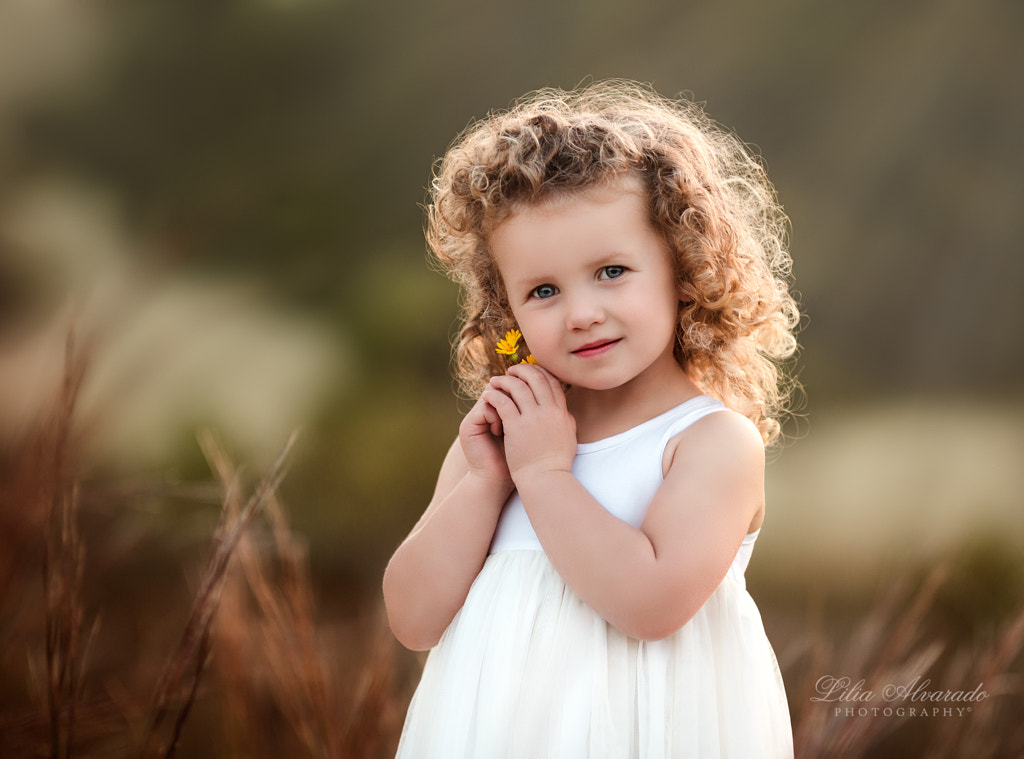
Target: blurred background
x=225, y=198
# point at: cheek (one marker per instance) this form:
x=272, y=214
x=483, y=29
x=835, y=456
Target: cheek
x=668, y=301
x=536, y=334
x=652, y=304
x=532, y=336
x=655, y=314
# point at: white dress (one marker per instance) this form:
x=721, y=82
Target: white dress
x=526, y=670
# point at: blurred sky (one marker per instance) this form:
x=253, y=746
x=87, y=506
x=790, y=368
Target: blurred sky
x=227, y=196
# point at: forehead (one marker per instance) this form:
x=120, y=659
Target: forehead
x=553, y=198
x=610, y=219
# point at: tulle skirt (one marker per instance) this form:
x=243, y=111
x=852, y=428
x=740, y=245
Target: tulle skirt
x=526, y=670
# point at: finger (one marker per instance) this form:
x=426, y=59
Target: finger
x=478, y=416
x=492, y=419
x=557, y=388
x=547, y=388
x=538, y=380
x=516, y=389
x=484, y=416
x=500, y=402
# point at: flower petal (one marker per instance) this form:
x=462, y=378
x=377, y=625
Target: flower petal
x=508, y=344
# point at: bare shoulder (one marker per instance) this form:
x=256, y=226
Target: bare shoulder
x=724, y=441
x=721, y=457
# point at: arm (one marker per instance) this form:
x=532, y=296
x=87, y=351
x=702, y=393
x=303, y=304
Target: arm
x=429, y=576
x=647, y=581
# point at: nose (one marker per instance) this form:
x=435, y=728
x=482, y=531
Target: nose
x=583, y=311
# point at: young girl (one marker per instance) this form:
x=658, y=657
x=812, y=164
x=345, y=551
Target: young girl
x=578, y=573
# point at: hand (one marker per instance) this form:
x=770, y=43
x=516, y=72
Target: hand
x=480, y=437
x=540, y=433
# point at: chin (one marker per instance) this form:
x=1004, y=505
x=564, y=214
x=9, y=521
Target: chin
x=597, y=386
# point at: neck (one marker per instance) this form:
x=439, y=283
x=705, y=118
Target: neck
x=602, y=413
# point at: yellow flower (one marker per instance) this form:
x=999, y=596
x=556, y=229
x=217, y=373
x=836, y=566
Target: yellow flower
x=529, y=360
x=507, y=345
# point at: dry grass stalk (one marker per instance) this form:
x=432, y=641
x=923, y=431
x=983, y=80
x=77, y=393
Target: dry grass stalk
x=176, y=689
x=269, y=632
x=285, y=697
x=886, y=648
x=44, y=627
x=985, y=735
x=890, y=647
x=376, y=707
x=282, y=693
x=63, y=562
x=62, y=582
x=304, y=693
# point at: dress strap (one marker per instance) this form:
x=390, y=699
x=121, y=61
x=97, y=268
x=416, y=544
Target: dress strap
x=692, y=411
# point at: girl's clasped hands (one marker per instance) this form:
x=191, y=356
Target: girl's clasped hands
x=538, y=430
x=519, y=426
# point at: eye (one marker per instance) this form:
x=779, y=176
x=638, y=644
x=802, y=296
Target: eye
x=611, y=272
x=543, y=291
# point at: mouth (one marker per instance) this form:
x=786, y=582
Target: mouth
x=595, y=348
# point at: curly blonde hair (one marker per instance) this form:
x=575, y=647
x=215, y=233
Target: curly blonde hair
x=708, y=196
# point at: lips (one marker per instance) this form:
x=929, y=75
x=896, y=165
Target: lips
x=595, y=348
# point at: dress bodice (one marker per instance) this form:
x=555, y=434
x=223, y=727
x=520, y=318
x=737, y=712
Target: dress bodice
x=623, y=472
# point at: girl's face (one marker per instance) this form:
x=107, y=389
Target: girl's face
x=591, y=286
